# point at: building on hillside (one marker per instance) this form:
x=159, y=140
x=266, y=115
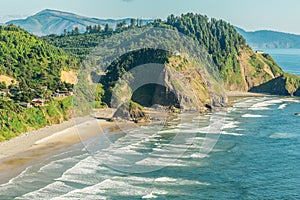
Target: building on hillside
x=57, y=95
x=38, y=102
x=259, y=52
x=63, y=93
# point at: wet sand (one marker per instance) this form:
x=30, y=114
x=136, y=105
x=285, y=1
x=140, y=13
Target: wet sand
x=28, y=148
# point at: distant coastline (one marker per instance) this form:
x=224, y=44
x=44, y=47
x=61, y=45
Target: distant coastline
x=270, y=39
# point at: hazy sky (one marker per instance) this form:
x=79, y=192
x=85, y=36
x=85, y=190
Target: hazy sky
x=281, y=15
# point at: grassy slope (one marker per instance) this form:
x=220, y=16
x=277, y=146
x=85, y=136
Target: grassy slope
x=256, y=68
x=15, y=119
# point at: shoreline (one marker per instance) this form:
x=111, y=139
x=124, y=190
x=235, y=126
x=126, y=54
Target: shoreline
x=22, y=151
x=28, y=140
x=245, y=94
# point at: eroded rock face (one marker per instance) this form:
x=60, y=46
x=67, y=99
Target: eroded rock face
x=285, y=85
x=154, y=94
x=167, y=85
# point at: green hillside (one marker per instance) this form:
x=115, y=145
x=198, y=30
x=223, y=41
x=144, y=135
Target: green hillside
x=31, y=68
x=240, y=68
x=31, y=61
x=34, y=68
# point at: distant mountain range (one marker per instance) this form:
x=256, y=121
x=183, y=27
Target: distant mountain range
x=49, y=22
x=270, y=39
x=55, y=22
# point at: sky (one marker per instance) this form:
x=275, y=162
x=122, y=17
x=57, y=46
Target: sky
x=251, y=15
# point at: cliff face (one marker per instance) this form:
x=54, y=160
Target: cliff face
x=181, y=84
x=255, y=69
x=276, y=86
x=177, y=83
x=190, y=87
x=240, y=68
x=286, y=85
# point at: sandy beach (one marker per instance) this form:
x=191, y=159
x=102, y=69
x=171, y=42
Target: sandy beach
x=23, y=150
x=70, y=132
x=244, y=94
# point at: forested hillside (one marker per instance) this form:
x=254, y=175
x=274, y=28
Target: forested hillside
x=34, y=68
x=31, y=61
x=31, y=68
x=239, y=66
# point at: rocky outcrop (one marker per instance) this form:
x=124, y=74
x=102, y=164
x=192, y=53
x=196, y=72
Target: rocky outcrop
x=261, y=74
x=132, y=112
x=276, y=86
x=177, y=83
x=256, y=69
x=285, y=85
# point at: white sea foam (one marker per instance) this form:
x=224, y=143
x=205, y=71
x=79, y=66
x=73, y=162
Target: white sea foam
x=282, y=106
x=282, y=135
x=149, y=196
x=231, y=109
x=172, y=181
x=57, y=164
x=233, y=134
x=106, y=188
x=165, y=179
x=230, y=125
x=86, y=172
x=153, y=162
x=264, y=105
x=170, y=131
x=50, y=191
x=252, y=116
x=246, y=103
x=15, y=179
x=199, y=155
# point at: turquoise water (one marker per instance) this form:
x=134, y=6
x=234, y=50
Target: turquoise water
x=256, y=156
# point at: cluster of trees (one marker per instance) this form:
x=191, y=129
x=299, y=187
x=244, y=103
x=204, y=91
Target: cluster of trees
x=36, y=64
x=80, y=44
x=219, y=37
x=33, y=63
x=35, y=67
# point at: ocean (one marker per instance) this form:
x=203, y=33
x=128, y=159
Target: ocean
x=254, y=155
